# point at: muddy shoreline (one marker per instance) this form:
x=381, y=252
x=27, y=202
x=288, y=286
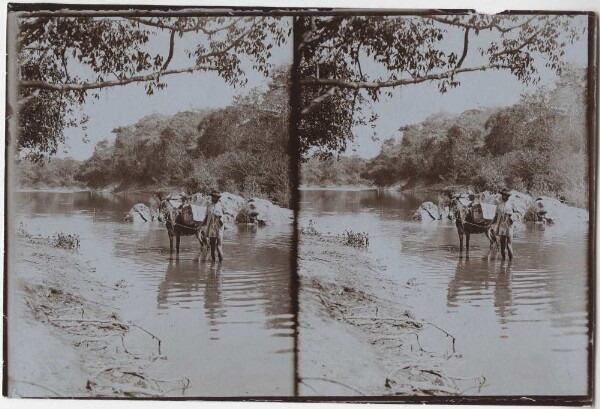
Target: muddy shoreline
x=90, y=348
x=358, y=336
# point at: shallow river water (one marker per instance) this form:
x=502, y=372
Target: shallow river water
x=228, y=327
x=523, y=325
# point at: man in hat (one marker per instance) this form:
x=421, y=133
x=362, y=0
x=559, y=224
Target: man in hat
x=213, y=219
x=504, y=226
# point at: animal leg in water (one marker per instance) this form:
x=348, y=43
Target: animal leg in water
x=178, y=238
x=468, y=237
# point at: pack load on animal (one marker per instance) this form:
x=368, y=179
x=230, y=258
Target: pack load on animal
x=187, y=215
x=477, y=212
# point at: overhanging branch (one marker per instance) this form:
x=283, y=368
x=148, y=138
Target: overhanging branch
x=465, y=48
x=334, y=82
x=196, y=27
x=85, y=86
x=494, y=24
x=171, y=47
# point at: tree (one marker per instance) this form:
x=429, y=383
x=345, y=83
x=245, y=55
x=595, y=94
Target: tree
x=242, y=148
x=406, y=50
x=98, y=171
x=63, y=61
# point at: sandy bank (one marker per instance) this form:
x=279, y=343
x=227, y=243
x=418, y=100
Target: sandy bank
x=358, y=337
x=66, y=335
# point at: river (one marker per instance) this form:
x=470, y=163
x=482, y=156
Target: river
x=228, y=328
x=523, y=325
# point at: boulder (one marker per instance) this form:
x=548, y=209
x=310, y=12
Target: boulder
x=140, y=213
x=427, y=212
x=526, y=209
x=230, y=205
x=550, y=210
x=237, y=210
x=266, y=213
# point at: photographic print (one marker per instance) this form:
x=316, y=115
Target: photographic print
x=444, y=215
x=300, y=204
x=150, y=230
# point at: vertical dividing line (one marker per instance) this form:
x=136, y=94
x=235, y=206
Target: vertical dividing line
x=11, y=124
x=294, y=145
x=592, y=130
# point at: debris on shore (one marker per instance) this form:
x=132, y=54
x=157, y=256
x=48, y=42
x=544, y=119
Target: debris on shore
x=89, y=349
x=356, y=335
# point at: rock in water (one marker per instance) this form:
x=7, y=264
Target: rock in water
x=266, y=213
x=139, y=213
x=526, y=209
x=550, y=210
x=427, y=212
x=237, y=210
x=230, y=205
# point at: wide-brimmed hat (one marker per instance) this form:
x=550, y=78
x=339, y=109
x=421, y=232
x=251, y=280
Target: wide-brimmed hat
x=215, y=193
x=505, y=192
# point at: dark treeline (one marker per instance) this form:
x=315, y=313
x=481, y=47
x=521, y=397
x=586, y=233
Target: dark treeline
x=242, y=149
x=49, y=173
x=538, y=145
x=343, y=171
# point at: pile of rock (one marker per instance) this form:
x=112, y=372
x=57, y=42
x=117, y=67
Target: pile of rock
x=550, y=210
x=235, y=208
x=526, y=209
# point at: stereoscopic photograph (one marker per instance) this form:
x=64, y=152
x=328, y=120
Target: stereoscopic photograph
x=150, y=231
x=300, y=204
x=445, y=204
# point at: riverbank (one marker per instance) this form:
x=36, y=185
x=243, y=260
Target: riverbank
x=68, y=337
x=357, y=337
x=51, y=189
x=348, y=188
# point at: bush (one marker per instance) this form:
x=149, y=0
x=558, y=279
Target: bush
x=355, y=239
x=201, y=179
x=66, y=241
x=310, y=230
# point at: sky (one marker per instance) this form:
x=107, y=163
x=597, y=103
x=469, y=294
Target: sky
x=412, y=104
x=125, y=105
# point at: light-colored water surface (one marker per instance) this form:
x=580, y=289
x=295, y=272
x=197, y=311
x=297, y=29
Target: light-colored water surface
x=228, y=327
x=523, y=325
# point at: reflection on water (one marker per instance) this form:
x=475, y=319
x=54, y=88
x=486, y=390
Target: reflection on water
x=478, y=279
x=228, y=327
x=524, y=325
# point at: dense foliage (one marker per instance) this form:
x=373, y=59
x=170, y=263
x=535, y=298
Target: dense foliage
x=347, y=62
x=538, y=145
x=242, y=149
x=63, y=61
x=329, y=172
x=55, y=173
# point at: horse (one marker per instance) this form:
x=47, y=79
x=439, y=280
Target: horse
x=467, y=226
x=175, y=228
